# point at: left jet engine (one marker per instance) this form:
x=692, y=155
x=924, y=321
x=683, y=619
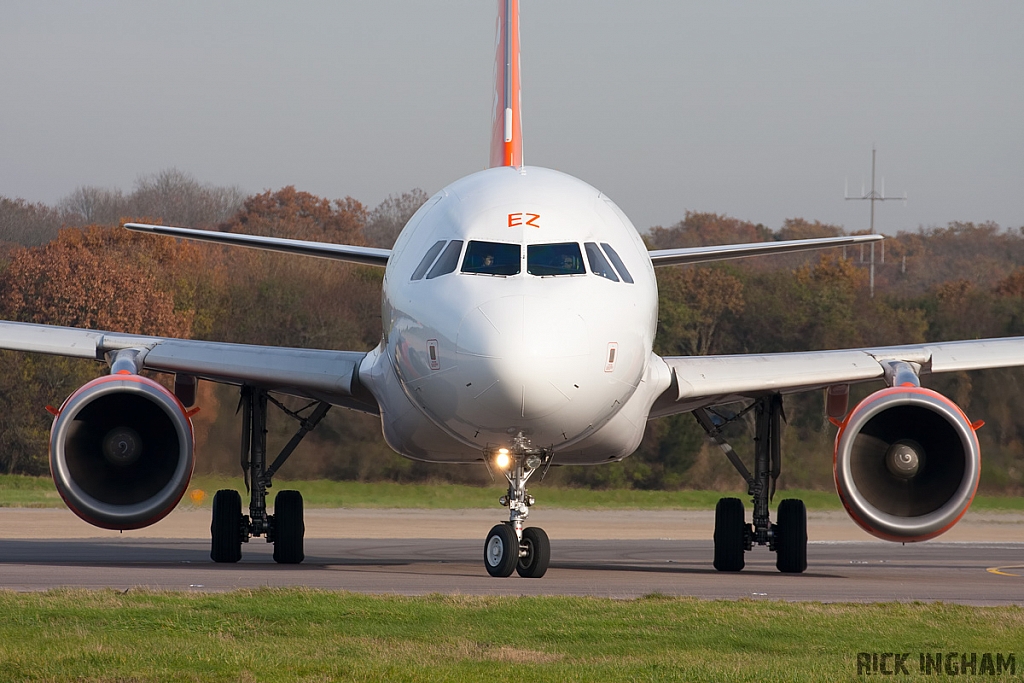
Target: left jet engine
x=122, y=451
x=907, y=463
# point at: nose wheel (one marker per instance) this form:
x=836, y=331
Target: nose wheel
x=509, y=547
x=505, y=552
x=501, y=551
x=534, y=553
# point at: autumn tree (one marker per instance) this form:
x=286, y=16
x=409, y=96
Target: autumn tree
x=170, y=196
x=692, y=302
x=97, y=278
x=300, y=215
x=294, y=300
x=90, y=205
x=702, y=229
x=960, y=309
x=92, y=279
x=389, y=217
x=1009, y=303
x=800, y=229
x=27, y=224
x=177, y=198
x=918, y=261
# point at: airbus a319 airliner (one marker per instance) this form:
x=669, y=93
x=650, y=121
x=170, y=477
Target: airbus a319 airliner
x=519, y=314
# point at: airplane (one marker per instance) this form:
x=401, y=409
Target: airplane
x=519, y=312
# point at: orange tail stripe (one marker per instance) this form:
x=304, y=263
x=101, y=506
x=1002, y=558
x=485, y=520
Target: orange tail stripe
x=506, y=123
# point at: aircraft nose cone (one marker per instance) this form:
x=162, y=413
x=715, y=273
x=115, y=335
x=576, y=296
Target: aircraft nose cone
x=524, y=328
x=524, y=356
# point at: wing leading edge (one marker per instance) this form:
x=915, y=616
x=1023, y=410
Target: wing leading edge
x=330, y=376
x=698, y=381
x=722, y=252
x=367, y=256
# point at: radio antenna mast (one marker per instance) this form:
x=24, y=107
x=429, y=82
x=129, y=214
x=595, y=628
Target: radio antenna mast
x=873, y=197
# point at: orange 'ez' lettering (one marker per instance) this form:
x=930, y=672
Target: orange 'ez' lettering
x=532, y=219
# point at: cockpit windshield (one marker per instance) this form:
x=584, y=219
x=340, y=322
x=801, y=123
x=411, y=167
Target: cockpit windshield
x=554, y=259
x=492, y=258
x=598, y=263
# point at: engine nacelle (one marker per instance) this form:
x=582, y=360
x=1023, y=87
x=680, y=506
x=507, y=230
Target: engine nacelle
x=907, y=464
x=121, y=452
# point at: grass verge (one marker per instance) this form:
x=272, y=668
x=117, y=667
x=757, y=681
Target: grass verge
x=306, y=635
x=20, y=491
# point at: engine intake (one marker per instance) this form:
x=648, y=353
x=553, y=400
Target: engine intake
x=907, y=464
x=121, y=452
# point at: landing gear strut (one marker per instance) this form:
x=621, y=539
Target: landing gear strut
x=733, y=536
x=509, y=546
x=285, y=528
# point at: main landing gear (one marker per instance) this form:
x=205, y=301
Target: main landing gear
x=510, y=547
x=285, y=528
x=733, y=536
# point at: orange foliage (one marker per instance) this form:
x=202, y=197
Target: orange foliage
x=703, y=229
x=98, y=278
x=300, y=215
x=1012, y=285
x=800, y=229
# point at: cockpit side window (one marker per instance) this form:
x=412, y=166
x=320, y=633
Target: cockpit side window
x=619, y=265
x=428, y=258
x=554, y=259
x=448, y=261
x=492, y=258
x=598, y=263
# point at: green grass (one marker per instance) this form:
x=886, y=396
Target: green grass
x=19, y=491
x=306, y=635
x=28, y=492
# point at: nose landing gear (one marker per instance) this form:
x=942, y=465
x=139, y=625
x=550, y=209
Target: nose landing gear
x=509, y=546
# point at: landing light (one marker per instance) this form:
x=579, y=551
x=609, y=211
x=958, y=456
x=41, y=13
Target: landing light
x=503, y=460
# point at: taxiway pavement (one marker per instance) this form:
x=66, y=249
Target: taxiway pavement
x=619, y=554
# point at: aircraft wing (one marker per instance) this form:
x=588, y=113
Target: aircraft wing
x=367, y=256
x=722, y=252
x=323, y=375
x=698, y=381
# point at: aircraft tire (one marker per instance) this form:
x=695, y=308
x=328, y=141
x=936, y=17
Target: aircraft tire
x=225, y=529
x=729, y=535
x=289, y=528
x=501, y=551
x=791, y=537
x=534, y=564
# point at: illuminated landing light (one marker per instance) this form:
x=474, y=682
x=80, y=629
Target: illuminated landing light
x=503, y=459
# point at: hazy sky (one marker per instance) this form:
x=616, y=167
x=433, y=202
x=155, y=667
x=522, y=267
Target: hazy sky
x=759, y=110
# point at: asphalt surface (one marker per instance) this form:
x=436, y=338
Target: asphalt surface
x=986, y=573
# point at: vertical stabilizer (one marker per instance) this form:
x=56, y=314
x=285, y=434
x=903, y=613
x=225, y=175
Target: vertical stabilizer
x=506, y=124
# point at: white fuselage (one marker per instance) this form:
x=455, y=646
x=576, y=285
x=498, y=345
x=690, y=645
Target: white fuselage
x=531, y=329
